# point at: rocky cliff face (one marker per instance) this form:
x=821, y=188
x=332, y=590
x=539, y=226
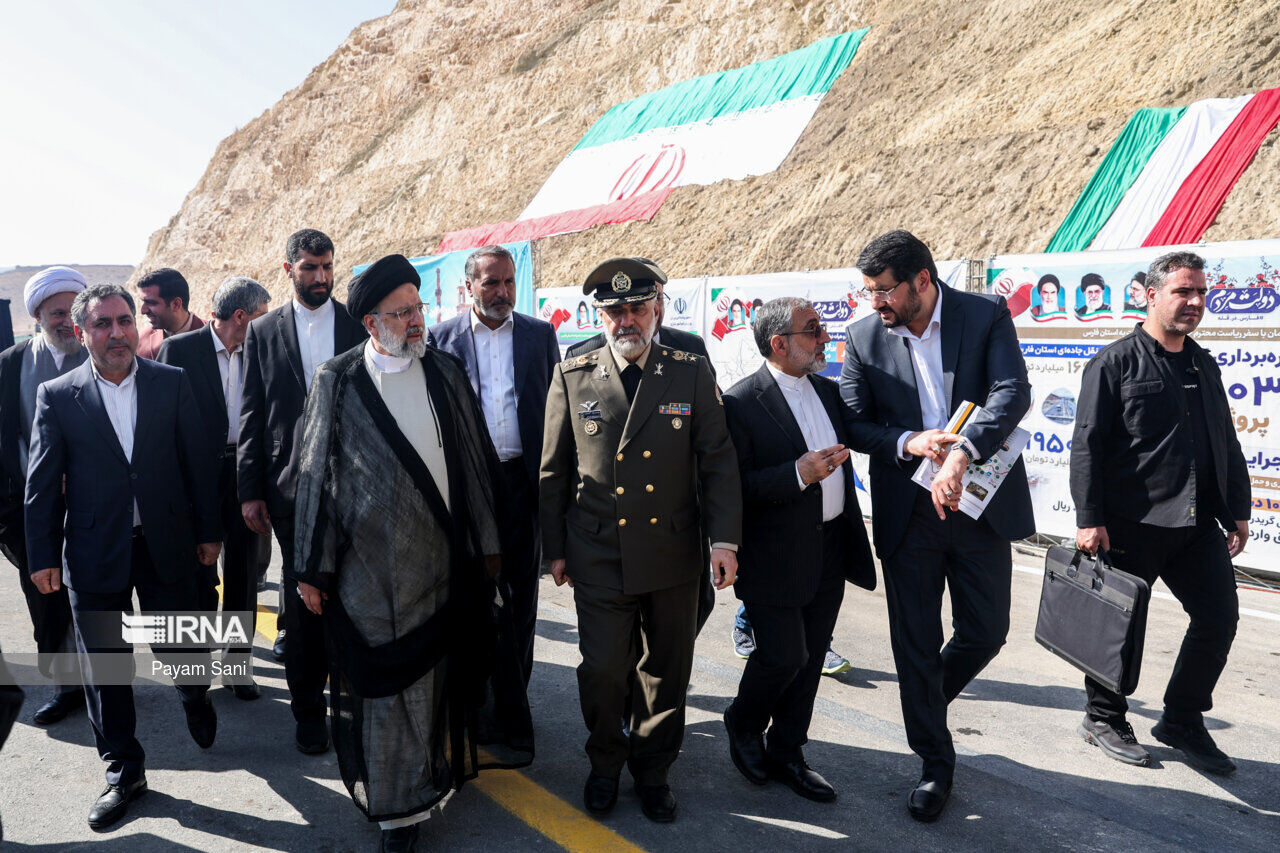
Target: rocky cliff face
x=974, y=124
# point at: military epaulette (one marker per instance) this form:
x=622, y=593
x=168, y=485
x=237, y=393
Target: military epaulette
x=588, y=360
x=681, y=355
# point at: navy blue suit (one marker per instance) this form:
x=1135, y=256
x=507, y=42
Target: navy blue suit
x=919, y=553
x=535, y=353
x=172, y=476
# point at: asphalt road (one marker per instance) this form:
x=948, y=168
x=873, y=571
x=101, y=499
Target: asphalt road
x=1025, y=779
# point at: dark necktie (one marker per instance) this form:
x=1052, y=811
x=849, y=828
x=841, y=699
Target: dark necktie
x=631, y=381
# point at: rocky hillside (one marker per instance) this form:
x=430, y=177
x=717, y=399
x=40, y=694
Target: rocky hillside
x=13, y=280
x=975, y=124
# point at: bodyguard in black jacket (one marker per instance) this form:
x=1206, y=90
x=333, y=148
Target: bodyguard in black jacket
x=1156, y=469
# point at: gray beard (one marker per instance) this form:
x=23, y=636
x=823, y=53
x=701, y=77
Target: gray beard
x=630, y=348
x=66, y=346
x=398, y=345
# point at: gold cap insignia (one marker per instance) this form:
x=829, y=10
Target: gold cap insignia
x=621, y=282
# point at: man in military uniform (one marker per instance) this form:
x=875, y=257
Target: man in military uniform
x=635, y=431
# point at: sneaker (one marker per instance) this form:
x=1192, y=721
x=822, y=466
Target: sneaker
x=1116, y=739
x=743, y=643
x=1196, y=744
x=834, y=664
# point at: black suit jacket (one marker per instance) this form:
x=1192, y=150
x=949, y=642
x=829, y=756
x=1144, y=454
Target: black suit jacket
x=878, y=385
x=194, y=353
x=12, y=478
x=673, y=338
x=171, y=476
x=536, y=354
x=275, y=395
x=780, y=561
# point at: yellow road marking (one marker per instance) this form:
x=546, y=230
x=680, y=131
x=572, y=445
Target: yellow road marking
x=541, y=810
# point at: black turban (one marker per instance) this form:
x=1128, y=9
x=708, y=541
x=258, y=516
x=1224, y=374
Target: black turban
x=379, y=279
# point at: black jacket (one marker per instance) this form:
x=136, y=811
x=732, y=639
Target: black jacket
x=275, y=395
x=780, y=561
x=171, y=476
x=194, y=353
x=1132, y=453
x=12, y=477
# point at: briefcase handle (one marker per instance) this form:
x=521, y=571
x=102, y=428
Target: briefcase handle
x=1100, y=560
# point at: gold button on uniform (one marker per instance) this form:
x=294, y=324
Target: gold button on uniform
x=620, y=490
x=619, y=457
x=649, y=488
x=622, y=522
x=653, y=521
x=647, y=454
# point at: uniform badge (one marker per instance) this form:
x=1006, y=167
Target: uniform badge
x=675, y=409
x=589, y=411
x=678, y=355
x=676, y=423
x=602, y=372
x=621, y=283
x=657, y=369
x=591, y=427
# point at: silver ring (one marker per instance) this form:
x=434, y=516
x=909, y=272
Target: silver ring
x=937, y=449
x=949, y=492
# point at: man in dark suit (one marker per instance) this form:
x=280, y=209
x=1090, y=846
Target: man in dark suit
x=121, y=474
x=54, y=351
x=903, y=376
x=282, y=350
x=213, y=359
x=802, y=538
x=509, y=359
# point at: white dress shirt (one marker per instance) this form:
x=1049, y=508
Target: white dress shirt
x=315, y=336
x=496, y=363
x=231, y=369
x=121, y=403
x=403, y=387
x=815, y=426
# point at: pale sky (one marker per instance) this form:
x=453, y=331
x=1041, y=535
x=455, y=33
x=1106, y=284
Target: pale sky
x=110, y=111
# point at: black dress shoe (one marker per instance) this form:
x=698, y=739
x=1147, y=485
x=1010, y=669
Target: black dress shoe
x=62, y=703
x=402, y=839
x=600, y=794
x=114, y=802
x=312, y=737
x=802, y=778
x=746, y=750
x=246, y=691
x=657, y=802
x=202, y=722
x=277, y=650
x=927, y=800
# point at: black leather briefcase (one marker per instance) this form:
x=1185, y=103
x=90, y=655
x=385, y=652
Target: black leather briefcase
x=1093, y=616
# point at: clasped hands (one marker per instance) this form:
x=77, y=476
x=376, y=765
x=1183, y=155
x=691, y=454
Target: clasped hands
x=934, y=445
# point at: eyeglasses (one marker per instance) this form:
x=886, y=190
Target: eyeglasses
x=874, y=294
x=405, y=314
x=816, y=331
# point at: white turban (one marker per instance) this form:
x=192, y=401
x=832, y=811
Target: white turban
x=47, y=282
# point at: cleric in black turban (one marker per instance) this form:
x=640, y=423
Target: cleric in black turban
x=379, y=279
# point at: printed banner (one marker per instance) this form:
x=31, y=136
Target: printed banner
x=1073, y=304
x=444, y=282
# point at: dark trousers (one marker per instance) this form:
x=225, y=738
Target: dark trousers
x=1194, y=564
x=781, y=677
x=306, y=660
x=50, y=614
x=521, y=559
x=966, y=557
x=660, y=665
x=239, y=552
x=110, y=706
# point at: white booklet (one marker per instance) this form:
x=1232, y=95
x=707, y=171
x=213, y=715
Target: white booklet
x=980, y=481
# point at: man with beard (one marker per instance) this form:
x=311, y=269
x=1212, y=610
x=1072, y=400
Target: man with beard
x=636, y=454
x=903, y=376
x=803, y=536
x=23, y=368
x=120, y=462
x=163, y=298
x=213, y=358
x=509, y=358
x=282, y=350
x=1157, y=474
x=1094, y=291
x=398, y=545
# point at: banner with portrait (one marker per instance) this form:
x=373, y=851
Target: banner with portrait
x=576, y=319
x=1068, y=306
